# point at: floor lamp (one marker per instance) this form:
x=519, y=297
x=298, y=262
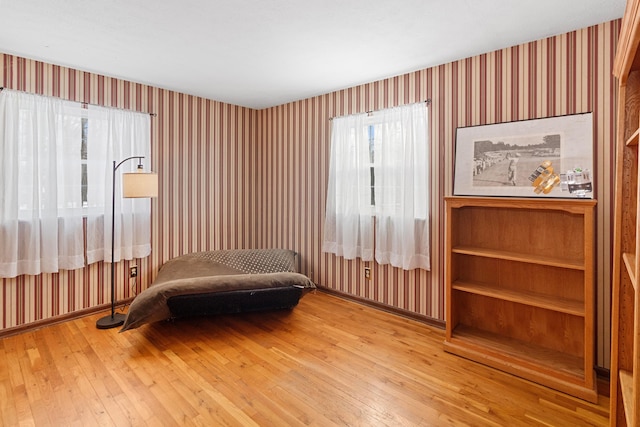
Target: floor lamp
x=138, y=184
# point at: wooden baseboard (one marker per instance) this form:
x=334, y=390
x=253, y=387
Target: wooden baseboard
x=89, y=311
x=384, y=307
x=32, y=326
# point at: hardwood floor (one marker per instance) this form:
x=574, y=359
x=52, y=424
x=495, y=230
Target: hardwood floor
x=328, y=362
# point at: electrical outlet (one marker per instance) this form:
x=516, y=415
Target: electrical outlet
x=133, y=271
x=367, y=273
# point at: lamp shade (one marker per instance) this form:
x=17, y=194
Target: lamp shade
x=139, y=184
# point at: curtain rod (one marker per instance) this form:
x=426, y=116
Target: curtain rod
x=426, y=101
x=85, y=104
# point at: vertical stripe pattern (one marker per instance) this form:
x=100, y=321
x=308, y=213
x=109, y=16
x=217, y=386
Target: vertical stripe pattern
x=206, y=184
x=566, y=74
x=232, y=177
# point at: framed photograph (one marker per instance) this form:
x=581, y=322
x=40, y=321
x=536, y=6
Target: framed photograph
x=550, y=157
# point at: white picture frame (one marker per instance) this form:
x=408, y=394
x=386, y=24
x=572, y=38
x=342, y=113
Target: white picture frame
x=549, y=157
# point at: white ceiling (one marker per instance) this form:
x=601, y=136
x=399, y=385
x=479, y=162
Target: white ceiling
x=261, y=53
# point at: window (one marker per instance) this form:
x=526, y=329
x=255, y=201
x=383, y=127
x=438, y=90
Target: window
x=378, y=184
x=55, y=166
x=83, y=161
x=372, y=159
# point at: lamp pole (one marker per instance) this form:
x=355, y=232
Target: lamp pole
x=115, y=319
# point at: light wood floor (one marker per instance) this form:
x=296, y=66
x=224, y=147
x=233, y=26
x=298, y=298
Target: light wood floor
x=328, y=362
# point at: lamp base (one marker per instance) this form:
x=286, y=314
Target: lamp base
x=110, y=321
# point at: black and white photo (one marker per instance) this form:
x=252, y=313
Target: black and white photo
x=550, y=157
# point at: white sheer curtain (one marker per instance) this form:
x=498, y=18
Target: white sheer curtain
x=40, y=179
x=116, y=135
x=399, y=157
x=348, y=228
x=402, y=190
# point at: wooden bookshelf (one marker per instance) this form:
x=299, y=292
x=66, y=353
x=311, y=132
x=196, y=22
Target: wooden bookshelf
x=520, y=288
x=625, y=298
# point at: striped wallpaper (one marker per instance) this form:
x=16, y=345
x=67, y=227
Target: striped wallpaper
x=203, y=152
x=561, y=75
x=232, y=177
